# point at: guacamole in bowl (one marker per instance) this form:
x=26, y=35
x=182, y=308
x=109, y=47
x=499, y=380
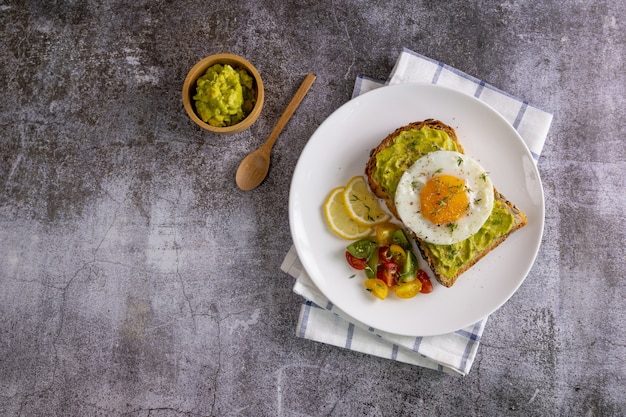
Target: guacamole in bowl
x=224, y=95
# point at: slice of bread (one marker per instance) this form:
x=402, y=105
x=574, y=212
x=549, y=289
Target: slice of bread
x=519, y=218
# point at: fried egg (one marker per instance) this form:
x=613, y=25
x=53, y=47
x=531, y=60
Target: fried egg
x=444, y=197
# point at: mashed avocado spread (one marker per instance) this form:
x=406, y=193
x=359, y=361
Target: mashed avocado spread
x=407, y=148
x=224, y=95
x=452, y=257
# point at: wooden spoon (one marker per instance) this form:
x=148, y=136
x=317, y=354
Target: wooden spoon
x=253, y=168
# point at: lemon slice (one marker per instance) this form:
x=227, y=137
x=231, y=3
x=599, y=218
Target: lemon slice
x=338, y=219
x=362, y=205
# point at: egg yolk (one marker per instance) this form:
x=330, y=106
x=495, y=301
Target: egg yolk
x=444, y=199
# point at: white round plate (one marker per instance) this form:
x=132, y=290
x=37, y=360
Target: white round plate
x=339, y=150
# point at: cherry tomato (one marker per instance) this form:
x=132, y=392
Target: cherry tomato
x=356, y=263
x=388, y=273
x=427, y=286
x=384, y=254
x=393, y=253
x=384, y=232
x=377, y=287
x=362, y=248
x=398, y=255
x=408, y=289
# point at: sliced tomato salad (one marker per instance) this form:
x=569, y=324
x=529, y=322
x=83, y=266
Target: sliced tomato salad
x=388, y=261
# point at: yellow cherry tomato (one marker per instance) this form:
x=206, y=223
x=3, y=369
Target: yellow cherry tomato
x=384, y=232
x=408, y=289
x=377, y=287
x=397, y=254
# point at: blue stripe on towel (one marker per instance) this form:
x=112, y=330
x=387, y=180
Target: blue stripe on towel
x=305, y=318
x=349, y=336
x=469, y=335
x=416, y=345
x=473, y=339
x=520, y=114
x=479, y=90
x=358, y=84
x=440, y=66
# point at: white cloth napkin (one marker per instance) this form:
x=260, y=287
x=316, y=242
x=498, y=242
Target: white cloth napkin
x=452, y=353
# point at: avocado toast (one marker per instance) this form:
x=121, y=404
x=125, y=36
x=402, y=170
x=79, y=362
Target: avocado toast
x=395, y=154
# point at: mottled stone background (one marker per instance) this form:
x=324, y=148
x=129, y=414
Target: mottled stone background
x=137, y=280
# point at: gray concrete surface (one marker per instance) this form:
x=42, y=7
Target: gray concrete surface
x=137, y=280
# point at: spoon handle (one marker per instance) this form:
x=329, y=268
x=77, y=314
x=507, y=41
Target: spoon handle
x=293, y=105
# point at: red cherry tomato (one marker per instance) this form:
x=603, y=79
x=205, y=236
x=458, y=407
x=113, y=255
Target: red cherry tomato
x=427, y=286
x=388, y=272
x=356, y=263
x=384, y=254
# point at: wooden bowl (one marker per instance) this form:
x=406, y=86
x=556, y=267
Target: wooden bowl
x=235, y=61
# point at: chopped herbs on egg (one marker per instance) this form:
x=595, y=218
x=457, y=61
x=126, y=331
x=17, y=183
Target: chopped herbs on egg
x=456, y=188
x=446, y=210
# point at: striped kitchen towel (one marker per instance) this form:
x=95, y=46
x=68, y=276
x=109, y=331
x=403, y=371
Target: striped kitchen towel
x=451, y=353
x=531, y=123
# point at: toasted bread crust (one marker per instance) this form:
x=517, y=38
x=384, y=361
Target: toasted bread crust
x=520, y=218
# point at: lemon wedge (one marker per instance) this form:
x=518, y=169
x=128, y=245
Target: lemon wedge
x=362, y=206
x=339, y=220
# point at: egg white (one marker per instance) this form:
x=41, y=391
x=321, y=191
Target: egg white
x=481, y=196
